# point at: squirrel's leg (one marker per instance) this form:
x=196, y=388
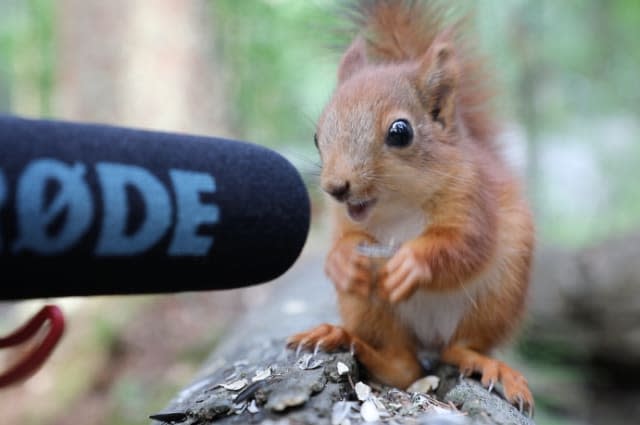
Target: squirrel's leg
x=516, y=389
x=391, y=365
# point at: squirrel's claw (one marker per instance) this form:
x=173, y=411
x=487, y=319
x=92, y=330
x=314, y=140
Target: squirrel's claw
x=530, y=411
x=491, y=384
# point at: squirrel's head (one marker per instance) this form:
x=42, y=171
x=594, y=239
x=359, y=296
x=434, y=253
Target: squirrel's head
x=390, y=132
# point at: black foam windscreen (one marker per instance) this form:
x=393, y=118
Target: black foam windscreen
x=93, y=209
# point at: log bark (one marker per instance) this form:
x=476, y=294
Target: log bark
x=586, y=300
x=308, y=389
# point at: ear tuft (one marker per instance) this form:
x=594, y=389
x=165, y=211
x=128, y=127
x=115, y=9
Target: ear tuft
x=354, y=59
x=438, y=79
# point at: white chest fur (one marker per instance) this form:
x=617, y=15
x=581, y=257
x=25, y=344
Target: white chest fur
x=393, y=225
x=434, y=316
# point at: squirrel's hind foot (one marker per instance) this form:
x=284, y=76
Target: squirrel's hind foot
x=326, y=337
x=392, y=365
x=515, y=387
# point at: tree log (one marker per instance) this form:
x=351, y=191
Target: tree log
x=252, y=378
x=589, y=299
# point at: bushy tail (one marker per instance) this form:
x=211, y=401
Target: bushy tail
x=403, y=30
x=397, y=30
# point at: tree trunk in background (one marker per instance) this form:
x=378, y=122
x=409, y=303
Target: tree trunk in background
x=140, y=64
x=90, y=55
x=525, y=30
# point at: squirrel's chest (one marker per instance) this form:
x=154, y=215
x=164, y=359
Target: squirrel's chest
x=397, y=223
x=433, y=316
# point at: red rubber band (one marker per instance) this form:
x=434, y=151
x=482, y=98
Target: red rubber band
x=39, y=354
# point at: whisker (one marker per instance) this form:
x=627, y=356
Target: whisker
x=470, y=297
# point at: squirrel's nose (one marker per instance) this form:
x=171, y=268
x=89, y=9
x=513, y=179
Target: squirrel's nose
x=340, y=191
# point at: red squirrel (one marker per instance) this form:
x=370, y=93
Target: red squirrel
x=409, y=157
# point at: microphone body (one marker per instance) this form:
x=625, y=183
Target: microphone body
x=93, y=209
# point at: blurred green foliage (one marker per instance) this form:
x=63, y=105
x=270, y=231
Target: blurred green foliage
x=27, y=53
x=280, y=68
x=131, y=396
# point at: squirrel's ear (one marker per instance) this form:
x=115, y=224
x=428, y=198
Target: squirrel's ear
x=353, y=60
x=438, y=76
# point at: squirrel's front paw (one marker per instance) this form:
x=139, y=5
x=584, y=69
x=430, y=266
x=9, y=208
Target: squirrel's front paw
x=350, y=271
x=405, y=272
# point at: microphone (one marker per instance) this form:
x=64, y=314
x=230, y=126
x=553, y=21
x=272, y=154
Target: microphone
x=90, y=209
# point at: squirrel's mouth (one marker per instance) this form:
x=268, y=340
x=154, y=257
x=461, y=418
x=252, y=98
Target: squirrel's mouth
x=359, y=210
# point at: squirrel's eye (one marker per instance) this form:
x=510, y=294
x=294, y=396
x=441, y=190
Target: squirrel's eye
x=400, y=134
x=315, y=140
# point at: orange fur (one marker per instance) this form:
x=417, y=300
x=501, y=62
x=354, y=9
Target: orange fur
x=459, y=279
